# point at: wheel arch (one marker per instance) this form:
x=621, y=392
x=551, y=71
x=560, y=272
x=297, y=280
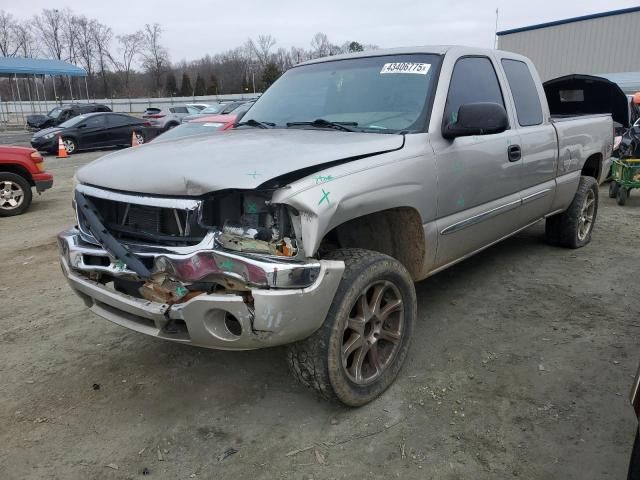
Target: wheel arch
x=18, y=170
x=397, y=232
x=593, y=166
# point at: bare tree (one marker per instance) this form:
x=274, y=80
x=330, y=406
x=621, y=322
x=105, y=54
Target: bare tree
x=26, y=40
x=129, y=49
x=320, y=45
x=50, y=25
x=155, y=56
x=86, y=44
x=69, y=36
x=102, y=36
x=8, y=44
x=261, y=48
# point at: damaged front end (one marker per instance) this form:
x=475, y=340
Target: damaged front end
x=223, y=271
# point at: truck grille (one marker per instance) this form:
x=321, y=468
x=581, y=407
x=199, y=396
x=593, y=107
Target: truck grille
x=152, y=225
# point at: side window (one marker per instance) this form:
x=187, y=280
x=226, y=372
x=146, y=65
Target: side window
x=95, y=121
x=117, y=120
x=193, y=110
x=178, y=110
x=525, y=94
x=473, y=80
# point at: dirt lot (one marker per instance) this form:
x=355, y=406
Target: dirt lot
x=521, y=367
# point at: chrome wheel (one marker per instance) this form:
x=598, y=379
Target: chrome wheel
x=11, y=195
x=69, y=145
x=373, y=332
x=585, y=219
x=140, y=138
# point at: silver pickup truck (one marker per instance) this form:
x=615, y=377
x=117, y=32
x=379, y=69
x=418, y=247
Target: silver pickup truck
x=350, y=179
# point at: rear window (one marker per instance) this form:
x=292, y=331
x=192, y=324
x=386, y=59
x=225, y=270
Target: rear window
x=525, y=94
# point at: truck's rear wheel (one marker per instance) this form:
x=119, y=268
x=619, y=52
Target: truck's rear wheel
x=573, y=227
x=359, y=350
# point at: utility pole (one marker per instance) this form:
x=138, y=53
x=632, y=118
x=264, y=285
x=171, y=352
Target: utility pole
x=495, y=35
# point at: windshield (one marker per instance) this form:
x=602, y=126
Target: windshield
x=383, y=94
x=190, y=129
x=55, y=113
x=73, y=121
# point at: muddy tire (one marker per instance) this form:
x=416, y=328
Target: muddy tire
x=15, y=194
x=360, y=348
x=573, y=227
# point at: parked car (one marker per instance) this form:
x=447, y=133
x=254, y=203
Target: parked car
x=61, y=114
x=21, y=169
x=219, y=109
x=634, y=463
x=94, y=130
x=169, y=117
x=199, y=126
x=308, y=223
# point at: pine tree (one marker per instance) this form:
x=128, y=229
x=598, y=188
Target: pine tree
x=186, y=90
x=170, y=85
x=212, y=89
x=270, y=74
x=200, y=89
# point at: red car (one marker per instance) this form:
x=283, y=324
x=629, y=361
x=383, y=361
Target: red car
x=21, y=169
x=198, y=126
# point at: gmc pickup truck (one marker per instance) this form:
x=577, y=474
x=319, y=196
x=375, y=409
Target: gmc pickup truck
x=351, y=178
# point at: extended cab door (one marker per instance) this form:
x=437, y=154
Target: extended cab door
x=479, y=182
x=538, y=140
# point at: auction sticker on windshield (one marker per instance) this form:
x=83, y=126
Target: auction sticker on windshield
x=406, y=67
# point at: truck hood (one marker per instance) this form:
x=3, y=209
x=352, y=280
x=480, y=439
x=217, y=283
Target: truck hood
x=242, y=159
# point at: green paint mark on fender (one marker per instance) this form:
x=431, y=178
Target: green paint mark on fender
x=323, y=179
x=181, y=291
x=253, y=174
x=120, y=265
x=226, y=265
x=460, y=201
x=325, y=196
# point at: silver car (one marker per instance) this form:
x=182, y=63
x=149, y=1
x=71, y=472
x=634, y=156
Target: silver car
x=169, y=117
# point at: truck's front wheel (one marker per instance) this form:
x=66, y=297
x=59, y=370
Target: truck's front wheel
x=572, y=228
x=359, y=350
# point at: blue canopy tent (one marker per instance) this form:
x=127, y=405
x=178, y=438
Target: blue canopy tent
x=17, y=67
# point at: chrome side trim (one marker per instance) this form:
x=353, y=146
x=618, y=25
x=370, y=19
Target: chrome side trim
x=464, y=257
x=535, y=196
x=179, y=203
x=467, y=222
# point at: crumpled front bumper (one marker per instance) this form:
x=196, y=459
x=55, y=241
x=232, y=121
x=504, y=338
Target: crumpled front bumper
x=273, y=316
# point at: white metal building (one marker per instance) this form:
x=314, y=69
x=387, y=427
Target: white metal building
x=603, y=43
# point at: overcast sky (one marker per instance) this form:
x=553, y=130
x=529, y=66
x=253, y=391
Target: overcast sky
x=193, y=28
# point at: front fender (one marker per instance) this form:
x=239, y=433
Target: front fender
x=326, y=199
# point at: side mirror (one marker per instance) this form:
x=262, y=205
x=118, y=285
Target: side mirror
x=82, y=125
x=481, y=118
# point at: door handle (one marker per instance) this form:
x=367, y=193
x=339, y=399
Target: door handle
x=514, y=153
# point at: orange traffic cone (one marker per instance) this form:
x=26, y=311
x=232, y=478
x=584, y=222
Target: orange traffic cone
x=134, y=140
x=62, y=152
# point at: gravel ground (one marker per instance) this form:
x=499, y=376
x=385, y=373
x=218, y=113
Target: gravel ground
x=520, y=367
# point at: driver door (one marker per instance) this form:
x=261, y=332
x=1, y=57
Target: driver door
x=478, y=183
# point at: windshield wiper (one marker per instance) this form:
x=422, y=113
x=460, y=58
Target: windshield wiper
x=322, y=123
x=255, y=123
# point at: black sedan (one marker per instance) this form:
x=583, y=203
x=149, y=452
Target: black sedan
x=94, y=130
